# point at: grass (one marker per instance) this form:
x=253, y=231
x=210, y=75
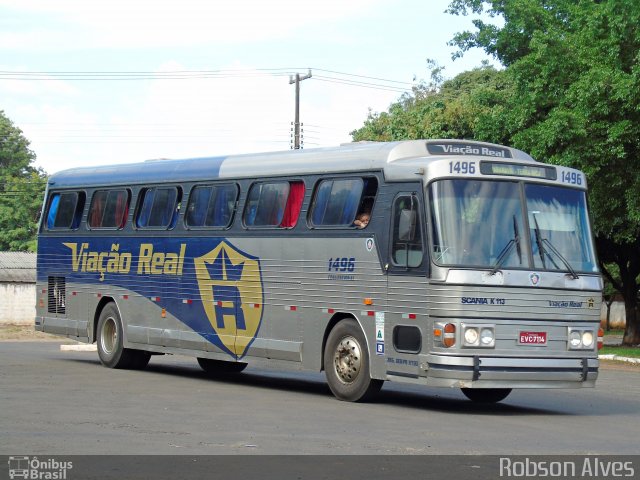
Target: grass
x=620, y=351
x=613, y=332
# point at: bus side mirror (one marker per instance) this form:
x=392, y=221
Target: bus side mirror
x=407, y=225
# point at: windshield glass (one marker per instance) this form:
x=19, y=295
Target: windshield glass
x=480, y=223
x=559, y=228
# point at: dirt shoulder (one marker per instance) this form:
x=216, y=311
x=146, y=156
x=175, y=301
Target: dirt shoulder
x=27, y=333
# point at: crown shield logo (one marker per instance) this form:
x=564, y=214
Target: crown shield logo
x=230, y=287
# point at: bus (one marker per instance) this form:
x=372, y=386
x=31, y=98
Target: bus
x=447, y=263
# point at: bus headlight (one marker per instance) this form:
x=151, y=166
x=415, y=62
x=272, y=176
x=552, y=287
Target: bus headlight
x=479, y=336
x=587, y=339
x=487, y=337
x=471, y=337
x=574, y=339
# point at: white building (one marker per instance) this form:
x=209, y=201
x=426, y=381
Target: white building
x=17, y=287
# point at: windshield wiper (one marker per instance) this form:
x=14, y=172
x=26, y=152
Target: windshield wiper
x=561, y=257
x=508, y=247
x=544, y=241
x=539, y=241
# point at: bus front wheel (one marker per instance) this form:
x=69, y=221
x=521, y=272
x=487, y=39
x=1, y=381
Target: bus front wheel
x=486, y=395
x=346, y=363
x=110, y=341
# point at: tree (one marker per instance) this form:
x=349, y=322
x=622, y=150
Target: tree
x=575, y=66
x=21, y=189
x=471, y=105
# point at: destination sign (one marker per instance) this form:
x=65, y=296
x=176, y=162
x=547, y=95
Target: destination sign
x=467, y=148
x=517, y=170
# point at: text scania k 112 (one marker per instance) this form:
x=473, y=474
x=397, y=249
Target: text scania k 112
x=437, y=262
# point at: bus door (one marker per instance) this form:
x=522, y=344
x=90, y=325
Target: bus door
x=406, y=318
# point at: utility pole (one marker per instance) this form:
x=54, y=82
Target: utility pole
x=296, y=124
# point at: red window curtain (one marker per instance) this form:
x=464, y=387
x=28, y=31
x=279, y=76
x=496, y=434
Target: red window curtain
x=122, y=209
x=97, y=210
x=294, y=203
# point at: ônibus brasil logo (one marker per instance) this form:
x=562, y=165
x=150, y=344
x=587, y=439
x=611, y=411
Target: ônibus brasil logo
x=35, y=468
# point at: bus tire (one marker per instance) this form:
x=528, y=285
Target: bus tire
x=220, y=367
x=346, y=363
x=486, y=395
x=111, y=342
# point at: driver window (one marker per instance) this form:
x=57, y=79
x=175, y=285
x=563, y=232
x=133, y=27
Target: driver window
x=406, y=247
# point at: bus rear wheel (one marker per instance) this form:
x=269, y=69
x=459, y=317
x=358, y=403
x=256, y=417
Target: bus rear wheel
x=346, y=363
x=486, y=395
x=220, y=367
x=110, y=341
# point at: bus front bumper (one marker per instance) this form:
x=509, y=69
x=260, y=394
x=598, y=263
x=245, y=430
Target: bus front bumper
x=509, y=372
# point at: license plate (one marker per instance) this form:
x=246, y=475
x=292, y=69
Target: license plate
x=533, y=338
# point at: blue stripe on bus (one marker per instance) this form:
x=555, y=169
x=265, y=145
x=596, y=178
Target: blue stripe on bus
x=223, y=283
x=154, y=171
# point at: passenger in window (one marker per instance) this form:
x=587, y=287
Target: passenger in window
x=363, y=217
x=362, y=220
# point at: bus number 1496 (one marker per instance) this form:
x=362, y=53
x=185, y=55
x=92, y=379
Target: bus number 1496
x=342, y=264
x=462, y=167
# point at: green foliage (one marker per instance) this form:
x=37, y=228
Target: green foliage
x=471, y=105
x=21, y=189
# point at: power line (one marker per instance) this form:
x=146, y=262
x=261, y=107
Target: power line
x=332, y=76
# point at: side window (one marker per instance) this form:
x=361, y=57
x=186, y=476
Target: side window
x=266, y=204
x=343, y=202
x=158, y=207
x=211, y=206
x=406, y=243
x=65, y=210
x=109, y=209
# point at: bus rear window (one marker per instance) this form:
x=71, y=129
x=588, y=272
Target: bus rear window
x=211, y=206
x=337, y=201
x=159, y=207
x=274, y=204
x=65, y=210
x=109, y=209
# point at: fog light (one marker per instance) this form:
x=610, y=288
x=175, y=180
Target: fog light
x=574, y=339
x=471, y=336
x=587, y=339
x=486, y=337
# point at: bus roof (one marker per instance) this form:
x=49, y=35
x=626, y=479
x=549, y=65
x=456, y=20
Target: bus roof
x=394, y=158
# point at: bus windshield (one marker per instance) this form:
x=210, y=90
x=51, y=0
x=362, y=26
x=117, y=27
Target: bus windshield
x=481, y=223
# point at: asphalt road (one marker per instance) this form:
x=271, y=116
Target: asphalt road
x=63, y=403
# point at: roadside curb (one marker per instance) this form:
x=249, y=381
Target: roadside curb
x=618, y=358
x=79, y=348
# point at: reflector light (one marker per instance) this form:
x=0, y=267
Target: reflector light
x=449, y=338
x=600, y=338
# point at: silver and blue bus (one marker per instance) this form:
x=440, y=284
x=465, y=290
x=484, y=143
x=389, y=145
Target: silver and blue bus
x=444, y=263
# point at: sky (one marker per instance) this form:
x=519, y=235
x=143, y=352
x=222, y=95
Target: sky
x=108, y=82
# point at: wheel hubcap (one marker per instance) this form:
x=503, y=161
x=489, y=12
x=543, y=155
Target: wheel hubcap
x=348, y=359
x=109, y=336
